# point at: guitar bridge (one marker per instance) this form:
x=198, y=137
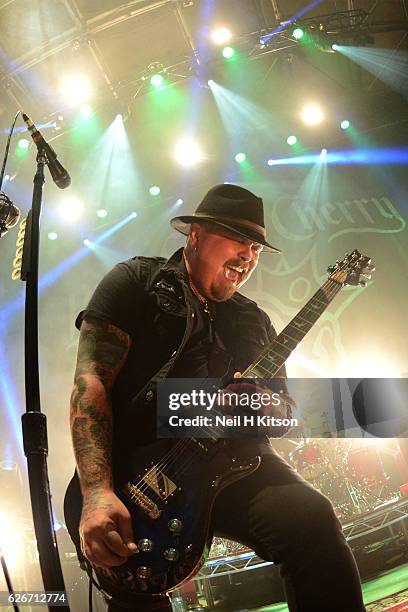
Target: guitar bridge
x=141, y=500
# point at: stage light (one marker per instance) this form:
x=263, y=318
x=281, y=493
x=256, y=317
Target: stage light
x=154, y=190
x=298, y=33
x=87, y=242
x=312, y=114
x=221, y=36
x=291, y=140
x=345, y=124
x=101, y=213
x=240, y=158
x=335, y=47
x=76, y=89
x=323, y=154
x=133, y=215
x=86, y=111
x=179, y=202
x=156, y=80
x=23, y=143
x=6, y=177
x=8, y=465
x=187, y=152
x=228, y=52
x=52, y=236
x=71, y=208
x=10, y=540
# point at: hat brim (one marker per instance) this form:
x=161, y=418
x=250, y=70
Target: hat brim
x=182, y=224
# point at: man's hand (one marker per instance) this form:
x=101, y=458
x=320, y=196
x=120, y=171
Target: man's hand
x=273, y=403
x=106, y=529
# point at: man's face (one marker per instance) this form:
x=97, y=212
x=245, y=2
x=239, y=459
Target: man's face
x=221, y=262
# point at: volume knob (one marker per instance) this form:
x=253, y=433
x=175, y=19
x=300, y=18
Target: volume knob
x=171, y=554
x=143, y=572
x=175, y=525
x=145, y=545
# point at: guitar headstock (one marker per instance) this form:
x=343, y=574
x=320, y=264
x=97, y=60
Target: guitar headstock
x=353, y=269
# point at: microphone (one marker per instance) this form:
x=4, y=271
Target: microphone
x=9, y=214
x=59, y=175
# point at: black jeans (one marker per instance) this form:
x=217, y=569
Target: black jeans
x=285, y=520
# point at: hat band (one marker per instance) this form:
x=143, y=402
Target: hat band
x=243, y=222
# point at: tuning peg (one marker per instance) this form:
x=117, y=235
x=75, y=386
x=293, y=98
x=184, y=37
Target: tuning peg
x=362, y=283
x=369, y=268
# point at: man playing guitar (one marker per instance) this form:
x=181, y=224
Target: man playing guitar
x=184, y=318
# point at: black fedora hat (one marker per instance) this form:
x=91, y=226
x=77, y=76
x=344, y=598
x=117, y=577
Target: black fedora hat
x=232, y=207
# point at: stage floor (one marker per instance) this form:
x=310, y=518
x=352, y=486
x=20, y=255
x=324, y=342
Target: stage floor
x=389, y=591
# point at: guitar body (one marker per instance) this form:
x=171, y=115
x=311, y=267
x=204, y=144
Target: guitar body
x=169, y=490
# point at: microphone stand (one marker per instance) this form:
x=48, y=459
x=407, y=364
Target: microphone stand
x=34, y=422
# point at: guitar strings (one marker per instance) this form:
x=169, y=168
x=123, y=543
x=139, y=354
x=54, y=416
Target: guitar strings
x=175, y=453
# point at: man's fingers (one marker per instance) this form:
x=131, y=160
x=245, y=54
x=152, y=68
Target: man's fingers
x=126, y=532
x=115, y=542
x=99, y=554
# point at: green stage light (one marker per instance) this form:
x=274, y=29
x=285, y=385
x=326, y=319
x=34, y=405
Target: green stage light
x=52, y=236
x=240, y=158
x=298, y=33
x=228, y=52
x=102, y=213
x=156, y=80
x=291, y=140
x=345, y=124
x=154, y=190
x=23, y=143
x=86, y=111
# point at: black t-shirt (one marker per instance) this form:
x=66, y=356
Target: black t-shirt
x=214, y=349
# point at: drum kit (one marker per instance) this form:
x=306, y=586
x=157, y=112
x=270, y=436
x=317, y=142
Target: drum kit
x=349, y=473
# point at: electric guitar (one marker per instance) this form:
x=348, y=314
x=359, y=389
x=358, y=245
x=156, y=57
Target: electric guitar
x=171, y=485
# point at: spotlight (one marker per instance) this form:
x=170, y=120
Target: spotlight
x=52, y=236
x=323, y=154
x=228, y=52
x=8, y=465
x=87, y=242
x=312, y=114
x=23, y=143
x=71, y=209
x=76, y=89
x=221, y=36
x=187, y=152
x=345, y=124
x=101, y=213
x=6, y=177
x=291, y=140
x=86, y=111
x=179, y=202
x=240, y=158
x=335, y=47
x=134, y=215
x=298, y=34
x=154, y=190
x=156, y=80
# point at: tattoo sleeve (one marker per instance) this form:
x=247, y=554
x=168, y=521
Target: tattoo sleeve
x=102, y=351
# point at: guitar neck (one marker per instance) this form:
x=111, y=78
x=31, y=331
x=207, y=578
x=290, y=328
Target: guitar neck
x=275, y=354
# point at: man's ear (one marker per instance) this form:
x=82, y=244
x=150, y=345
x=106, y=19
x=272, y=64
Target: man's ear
x=195, y=231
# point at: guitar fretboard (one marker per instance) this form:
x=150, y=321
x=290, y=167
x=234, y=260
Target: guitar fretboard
x=275, y=354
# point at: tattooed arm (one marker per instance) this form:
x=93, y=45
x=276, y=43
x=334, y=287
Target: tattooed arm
x=105, y=528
